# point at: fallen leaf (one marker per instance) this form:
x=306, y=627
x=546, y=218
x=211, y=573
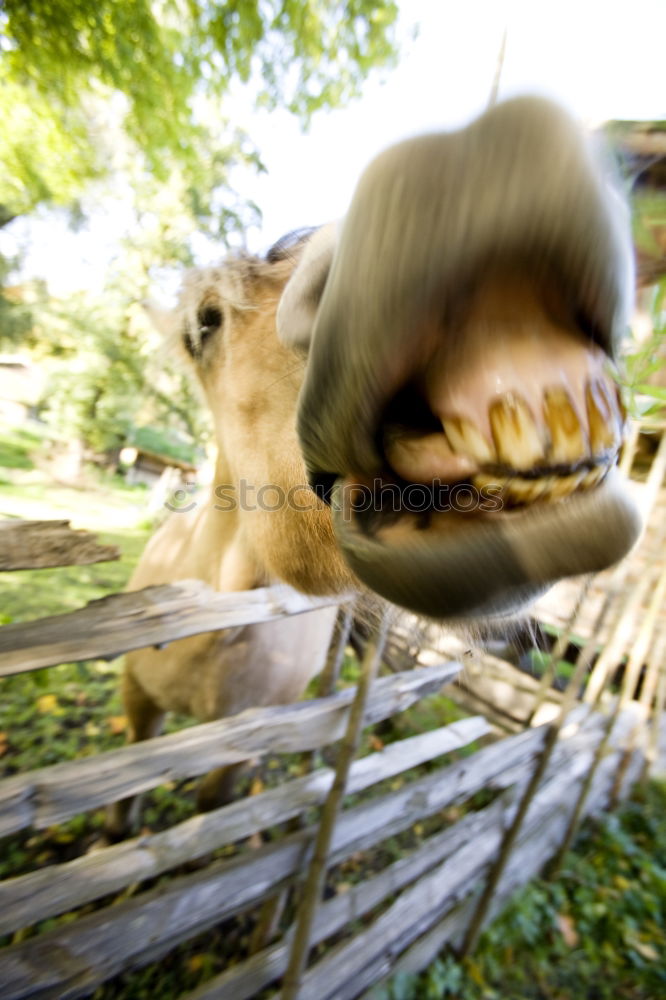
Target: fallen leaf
x=4, y=743
x=257, y=787
x=196, y=963
x=117, y=724
x=376, y=743
x=646, y=951
x=475, y=973
x=568, y=930
x=47, y=704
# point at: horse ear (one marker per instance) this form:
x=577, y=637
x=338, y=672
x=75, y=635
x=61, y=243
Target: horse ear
x=300, y=299
x=162, y=319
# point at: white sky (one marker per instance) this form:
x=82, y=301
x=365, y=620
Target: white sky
x=602, y=59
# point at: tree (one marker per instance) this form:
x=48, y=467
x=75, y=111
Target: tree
x=110, y=374
x=166, y=64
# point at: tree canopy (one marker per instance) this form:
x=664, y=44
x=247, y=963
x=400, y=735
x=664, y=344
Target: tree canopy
x=164, y=64
x=131, y=95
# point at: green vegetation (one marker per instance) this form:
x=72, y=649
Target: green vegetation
x=596, y=933
x=120, y=108
x=644, y=363
x=73, y=710
x=67, y=66
x=154, y=439
x=59, y=713
x=15, y=448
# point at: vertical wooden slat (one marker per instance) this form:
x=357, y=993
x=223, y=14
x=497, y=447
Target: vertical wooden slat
x=318, y=866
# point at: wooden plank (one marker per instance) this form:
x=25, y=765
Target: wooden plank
x=245, y=980
x=64, y=887
x=43, y=544
x=507, y=691
x=52, y=794
x=150, y=617
x=356, y=965
x=72, y=960
x=450, y=930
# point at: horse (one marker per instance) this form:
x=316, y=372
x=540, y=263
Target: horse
x=417, y=403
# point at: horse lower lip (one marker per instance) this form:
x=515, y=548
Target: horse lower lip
x=490, y=565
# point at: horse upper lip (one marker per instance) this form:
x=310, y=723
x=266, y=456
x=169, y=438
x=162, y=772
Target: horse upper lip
x=474, y=205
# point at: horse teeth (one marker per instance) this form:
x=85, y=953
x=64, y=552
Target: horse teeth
x=520, y=490
x=515, y=433
x=483, y=480
x=559, y=487
x=465, y=438
x=525, y=490
x=593, y=477
x=602, y=419
x=567, y=438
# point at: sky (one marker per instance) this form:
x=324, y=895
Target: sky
x=599, y=59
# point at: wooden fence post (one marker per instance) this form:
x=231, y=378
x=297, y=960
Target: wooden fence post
x=317, y=872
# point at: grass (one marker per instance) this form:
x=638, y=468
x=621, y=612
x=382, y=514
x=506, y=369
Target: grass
x=16, y=447
x=73, y=710
x=108, y=507
x=61, y=712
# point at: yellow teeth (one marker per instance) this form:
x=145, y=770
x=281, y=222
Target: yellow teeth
x=515, y=433
x=563, y=486
x=593, y=477
x=466, y=439
x=569, y=446
x=516, y=490
x=567, y=439
x=602, y=419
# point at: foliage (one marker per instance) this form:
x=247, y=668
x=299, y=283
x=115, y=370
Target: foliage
x=111, y=374
x=66, y=64
x=643, y=366
x=643, y=372
x=15, y=316
x=598, y=932
x=16, y=447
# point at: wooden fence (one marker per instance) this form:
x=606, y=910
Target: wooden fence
x=539, y=781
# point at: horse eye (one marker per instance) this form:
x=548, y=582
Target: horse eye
x=189, y=345
x=210, y=320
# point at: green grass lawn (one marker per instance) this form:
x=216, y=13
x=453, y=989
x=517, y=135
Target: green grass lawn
x=74, y=709
x=116, y=512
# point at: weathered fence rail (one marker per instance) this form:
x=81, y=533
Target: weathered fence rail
x=41, y=544
x=130, y=934
x=113, y=625
x=542, y=780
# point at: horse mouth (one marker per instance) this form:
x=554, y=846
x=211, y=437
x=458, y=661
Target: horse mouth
x=463, y=341
x=497, y=479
